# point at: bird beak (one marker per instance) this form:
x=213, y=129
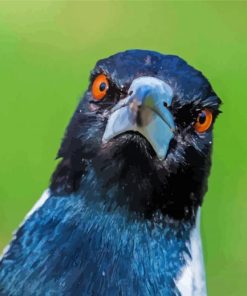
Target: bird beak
x=144, y=110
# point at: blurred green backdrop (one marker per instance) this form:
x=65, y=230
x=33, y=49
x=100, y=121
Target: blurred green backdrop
x=47, y=49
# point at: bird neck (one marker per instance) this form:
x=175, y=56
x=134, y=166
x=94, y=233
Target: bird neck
x=128, y=199
x=137, y=221
x=141, y=192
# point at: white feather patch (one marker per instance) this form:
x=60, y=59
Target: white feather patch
x=38, y=205
x=192, y=281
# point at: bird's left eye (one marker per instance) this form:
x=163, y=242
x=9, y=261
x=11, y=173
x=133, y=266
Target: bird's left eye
x=203, y=121
x=100, y=87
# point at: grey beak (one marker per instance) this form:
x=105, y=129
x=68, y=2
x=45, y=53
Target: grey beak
x=144, y=111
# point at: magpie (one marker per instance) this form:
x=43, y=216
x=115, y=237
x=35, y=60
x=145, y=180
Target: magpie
x=121, y=214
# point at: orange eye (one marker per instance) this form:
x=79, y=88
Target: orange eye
x=100, y=87
x=203, y=121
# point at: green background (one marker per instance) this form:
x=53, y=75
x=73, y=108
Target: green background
x=46, y=52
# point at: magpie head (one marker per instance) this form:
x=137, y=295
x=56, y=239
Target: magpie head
x=144, y=125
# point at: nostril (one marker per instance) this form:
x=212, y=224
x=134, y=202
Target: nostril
x=165, y=104
x=131, y=92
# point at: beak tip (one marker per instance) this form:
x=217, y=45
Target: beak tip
x=104, y=139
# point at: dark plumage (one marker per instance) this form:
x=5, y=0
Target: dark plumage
x=118, y=219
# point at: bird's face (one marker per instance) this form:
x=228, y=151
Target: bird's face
x=144, y=123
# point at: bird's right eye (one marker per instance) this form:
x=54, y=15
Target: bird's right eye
x=100, y=87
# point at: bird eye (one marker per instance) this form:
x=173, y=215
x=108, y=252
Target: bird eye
x=203, y=121
x=100, y=87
